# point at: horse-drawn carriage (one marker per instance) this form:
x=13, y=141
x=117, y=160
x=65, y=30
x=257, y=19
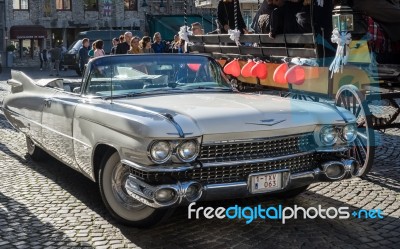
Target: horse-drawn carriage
x=297, y=66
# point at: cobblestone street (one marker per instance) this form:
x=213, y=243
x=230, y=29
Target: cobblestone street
x=50, y=205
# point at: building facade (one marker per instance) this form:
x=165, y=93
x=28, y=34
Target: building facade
x=33, y=23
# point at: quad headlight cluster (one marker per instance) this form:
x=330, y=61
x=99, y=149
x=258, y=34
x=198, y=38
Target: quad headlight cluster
x=329, y=135
x=184, y=151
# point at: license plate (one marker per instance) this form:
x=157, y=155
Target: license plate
x=262, y=183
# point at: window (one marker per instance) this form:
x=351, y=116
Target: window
x=47, y=8
x=63, y=4
x=91, y=4
x=20, y=4
x=130, y=4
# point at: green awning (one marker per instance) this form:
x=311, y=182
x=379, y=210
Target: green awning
x=169, y=25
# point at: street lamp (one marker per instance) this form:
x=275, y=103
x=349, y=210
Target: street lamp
x=342, y=17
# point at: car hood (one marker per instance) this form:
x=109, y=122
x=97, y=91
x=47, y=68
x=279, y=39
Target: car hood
x=213, y=113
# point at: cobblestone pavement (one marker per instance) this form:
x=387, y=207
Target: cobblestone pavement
x=50, y=205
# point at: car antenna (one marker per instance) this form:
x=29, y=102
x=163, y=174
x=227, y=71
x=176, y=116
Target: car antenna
x=111, y=76
x=111, y=79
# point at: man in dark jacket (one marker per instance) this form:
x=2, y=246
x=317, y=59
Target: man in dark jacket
x=84, y=54
x=159, y=46
x=123, y=47
x=55, y=55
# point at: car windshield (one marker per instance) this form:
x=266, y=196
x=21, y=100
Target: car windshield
x=130, y=75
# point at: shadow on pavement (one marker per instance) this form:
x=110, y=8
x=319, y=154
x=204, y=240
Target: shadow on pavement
x=21, y=228
x=4, y=124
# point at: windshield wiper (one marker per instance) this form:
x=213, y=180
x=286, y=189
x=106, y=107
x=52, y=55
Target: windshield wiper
x=133, y=94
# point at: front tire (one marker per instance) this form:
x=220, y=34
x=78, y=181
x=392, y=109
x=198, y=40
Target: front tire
x=123, y=208
x=36, y=153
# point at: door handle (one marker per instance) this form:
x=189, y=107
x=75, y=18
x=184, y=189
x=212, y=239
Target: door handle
x=47, y=103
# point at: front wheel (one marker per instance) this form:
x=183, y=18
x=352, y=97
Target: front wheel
x=123, y=208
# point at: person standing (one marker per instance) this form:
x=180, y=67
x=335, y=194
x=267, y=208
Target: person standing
x=84, y=54
x=226, y=16
x=159, y=46
x=145, y=45
x=55, y=53
x=115, y=42
x=91, y=51
x=99, y=49
x=135, y=49
x=122, y=48
x=43, y=59
x=174, y=47
x=197, y=29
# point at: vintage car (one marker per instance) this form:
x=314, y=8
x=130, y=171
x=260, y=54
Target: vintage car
x=158, y=131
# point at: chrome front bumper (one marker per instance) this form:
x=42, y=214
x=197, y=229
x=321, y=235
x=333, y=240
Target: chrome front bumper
x=182, y=192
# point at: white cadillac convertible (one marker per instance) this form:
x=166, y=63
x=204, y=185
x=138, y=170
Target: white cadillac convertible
x=158, y=131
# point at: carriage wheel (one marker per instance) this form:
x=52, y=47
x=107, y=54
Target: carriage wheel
x=363, y=151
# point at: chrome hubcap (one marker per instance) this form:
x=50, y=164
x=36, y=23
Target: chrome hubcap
x=119, y=176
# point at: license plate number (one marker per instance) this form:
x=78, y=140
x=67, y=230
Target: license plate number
x=262, y=183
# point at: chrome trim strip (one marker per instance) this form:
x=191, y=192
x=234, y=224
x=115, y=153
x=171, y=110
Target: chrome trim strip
x=46, y=127
x=253, y=140
x=261, y=160
x=165, y=116
x=159, y=169
x=338, y=149
x=172, y=121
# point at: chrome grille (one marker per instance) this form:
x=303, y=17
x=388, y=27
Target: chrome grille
x=225, y=174
x=235, y=173
x=255, y=149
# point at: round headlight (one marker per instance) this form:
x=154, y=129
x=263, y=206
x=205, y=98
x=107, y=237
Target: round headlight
x=349, y=133
x=188, y=151
x=160, y=151
x=328, y=135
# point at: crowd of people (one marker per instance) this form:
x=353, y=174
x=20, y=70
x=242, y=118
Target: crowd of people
x=273, y=17
x=52, y=58
x=129, y=44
